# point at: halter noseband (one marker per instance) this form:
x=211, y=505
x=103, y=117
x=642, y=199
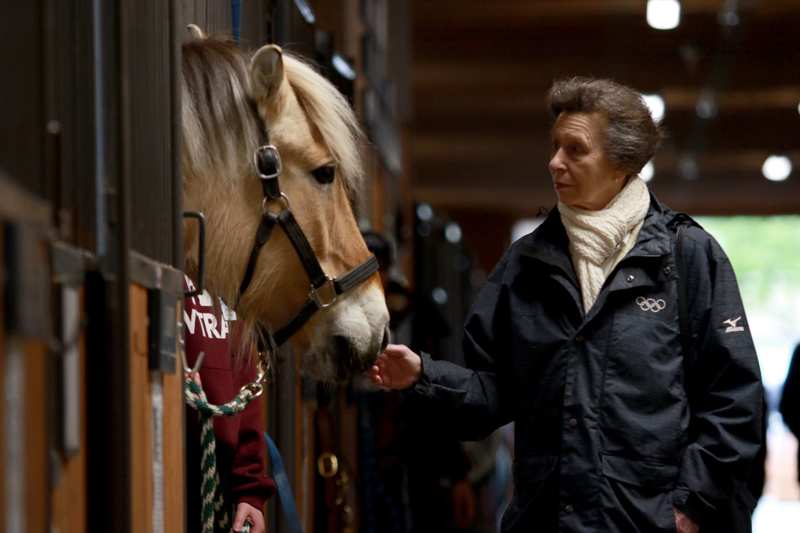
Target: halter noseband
x=324, y=290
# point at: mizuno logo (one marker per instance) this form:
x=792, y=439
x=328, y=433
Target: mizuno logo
x=732, y=327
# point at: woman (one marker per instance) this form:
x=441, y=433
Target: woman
x=575, y=337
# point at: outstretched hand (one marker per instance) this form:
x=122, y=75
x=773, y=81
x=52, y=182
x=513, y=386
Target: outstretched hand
x=684, y=524
x=396, y=368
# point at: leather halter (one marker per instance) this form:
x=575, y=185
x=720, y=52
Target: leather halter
x=324, y=290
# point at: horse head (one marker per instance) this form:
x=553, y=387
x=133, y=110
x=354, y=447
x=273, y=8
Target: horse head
x=229, y=106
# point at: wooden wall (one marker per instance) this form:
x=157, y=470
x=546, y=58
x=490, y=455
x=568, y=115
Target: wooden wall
x=24, y=358
x=92, y=107
x=91, y=98
x=216, y=18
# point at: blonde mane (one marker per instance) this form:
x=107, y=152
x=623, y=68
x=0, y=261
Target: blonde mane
x=221, y=126
x=221, y=129
x=330, y=113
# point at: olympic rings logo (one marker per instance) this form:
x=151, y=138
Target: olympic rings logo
x=651, y=304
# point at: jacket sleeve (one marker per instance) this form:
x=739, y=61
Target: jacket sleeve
x=790, y=397
x=471, y=401
x=723, y=383
x=249, y=481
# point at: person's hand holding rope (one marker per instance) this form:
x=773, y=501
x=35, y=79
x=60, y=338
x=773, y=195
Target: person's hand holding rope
x=247, y=513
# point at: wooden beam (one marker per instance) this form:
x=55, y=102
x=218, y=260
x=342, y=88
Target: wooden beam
x=754, y=197
x=481, y=79
x=488, y=136
x=699, y=52
x=513, y=13
x=745, y=142
x=516, y=105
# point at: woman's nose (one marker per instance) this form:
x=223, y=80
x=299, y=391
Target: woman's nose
x=556, y=164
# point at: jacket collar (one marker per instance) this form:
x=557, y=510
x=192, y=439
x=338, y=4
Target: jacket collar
x=654, y=238
x=549, y=244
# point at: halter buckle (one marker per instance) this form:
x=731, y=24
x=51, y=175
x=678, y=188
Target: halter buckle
x=325, y=295
x=268, y=162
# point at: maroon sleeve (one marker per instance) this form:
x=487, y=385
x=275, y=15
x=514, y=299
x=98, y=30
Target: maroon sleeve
x=249, y=481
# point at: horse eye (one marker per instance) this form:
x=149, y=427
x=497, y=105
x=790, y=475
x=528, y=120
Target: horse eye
x=324, y=174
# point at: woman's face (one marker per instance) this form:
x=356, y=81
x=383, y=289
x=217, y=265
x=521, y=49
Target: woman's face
x=583, y=176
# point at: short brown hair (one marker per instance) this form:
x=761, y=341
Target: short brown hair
x=631, y=134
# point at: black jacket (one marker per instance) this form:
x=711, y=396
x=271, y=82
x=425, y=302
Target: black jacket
x=613, y=426
x=790, y=400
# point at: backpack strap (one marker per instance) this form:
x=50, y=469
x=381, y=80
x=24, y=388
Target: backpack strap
x=683, y=295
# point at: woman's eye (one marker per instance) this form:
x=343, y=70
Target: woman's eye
x=324, y=174
x=574, y=149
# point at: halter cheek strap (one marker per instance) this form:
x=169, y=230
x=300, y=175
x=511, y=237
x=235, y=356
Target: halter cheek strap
x=324, y=291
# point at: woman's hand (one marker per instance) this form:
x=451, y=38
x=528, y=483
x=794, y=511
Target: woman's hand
x=684, y=524
x=464, y=504
x=396, y=368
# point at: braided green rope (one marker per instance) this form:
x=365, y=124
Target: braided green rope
x=210, y=493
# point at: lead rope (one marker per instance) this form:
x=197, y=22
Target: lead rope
x=212, y=503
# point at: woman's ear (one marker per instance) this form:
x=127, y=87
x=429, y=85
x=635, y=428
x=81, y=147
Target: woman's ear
x=266, y=72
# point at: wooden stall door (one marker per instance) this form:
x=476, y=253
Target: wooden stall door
x=24, y=360
x=69, y=503
x=156, y=415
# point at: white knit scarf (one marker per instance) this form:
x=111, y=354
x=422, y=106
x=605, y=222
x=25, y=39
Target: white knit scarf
x=598, y=240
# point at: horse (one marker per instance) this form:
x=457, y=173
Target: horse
x=230, y=104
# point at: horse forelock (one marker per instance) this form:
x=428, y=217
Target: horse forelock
x=220, y=128
x=331, y=115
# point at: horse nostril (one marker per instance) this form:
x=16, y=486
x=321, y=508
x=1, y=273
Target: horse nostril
x=343, y=346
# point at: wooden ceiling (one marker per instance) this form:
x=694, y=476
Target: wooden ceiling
x=480, y=132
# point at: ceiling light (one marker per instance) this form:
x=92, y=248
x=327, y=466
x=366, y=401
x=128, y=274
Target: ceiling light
x=439, y=295
x=729, y=13
x=777, y=167
x=729, y=18
x=656, y=105
x=424, y=212
x=452, y=232
x=687, y=166
x=647, y=171
x=663, y=14
x=706, y=106
x=343, y=67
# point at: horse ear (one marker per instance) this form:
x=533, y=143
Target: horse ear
x=195, y=31
x=266, y=71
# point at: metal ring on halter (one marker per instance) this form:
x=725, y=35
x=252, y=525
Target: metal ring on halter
x=325, y=295
x=283, y=200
